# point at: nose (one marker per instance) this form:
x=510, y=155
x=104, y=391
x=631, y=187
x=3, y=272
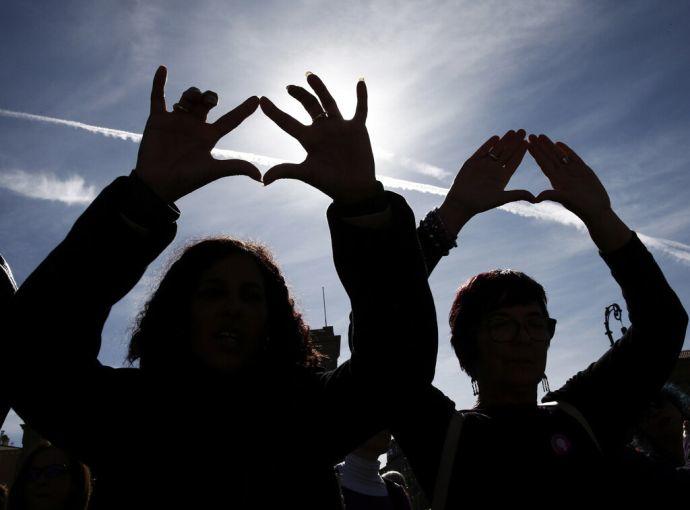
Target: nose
x=523, y=335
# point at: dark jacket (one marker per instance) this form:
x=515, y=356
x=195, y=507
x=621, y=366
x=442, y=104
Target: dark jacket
x=7, y=290
x=530, y=454
x=155, y=439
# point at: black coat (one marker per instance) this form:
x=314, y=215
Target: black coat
x=266, y=441
x=531, y=455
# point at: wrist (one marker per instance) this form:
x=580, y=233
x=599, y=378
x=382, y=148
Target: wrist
x=362, y=195
x=607, y=230
x=453, y=217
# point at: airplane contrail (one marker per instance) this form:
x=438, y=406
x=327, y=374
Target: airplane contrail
x=545, y=211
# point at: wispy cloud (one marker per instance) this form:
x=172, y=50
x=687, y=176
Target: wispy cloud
x=113, y=133
x=74, y=190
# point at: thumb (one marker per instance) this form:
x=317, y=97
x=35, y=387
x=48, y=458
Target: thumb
x=550, y=194
x=515, y=195
x=285, y=171
x=225, y=167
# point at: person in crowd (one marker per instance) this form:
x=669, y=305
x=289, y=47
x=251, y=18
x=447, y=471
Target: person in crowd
x=656, y=455
x=508, y=448
x=50, y=479
x=7, y=289
x=221, y=347
x=361, y=484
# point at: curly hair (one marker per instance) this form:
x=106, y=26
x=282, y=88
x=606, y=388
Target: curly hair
x=480, y=295
x=160, y=336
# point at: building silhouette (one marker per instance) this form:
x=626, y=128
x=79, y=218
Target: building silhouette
x=328, y=344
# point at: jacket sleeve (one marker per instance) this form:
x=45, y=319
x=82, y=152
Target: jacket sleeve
x=7, y=290
x=60, y=310
x=613, y=391
x=393, y=325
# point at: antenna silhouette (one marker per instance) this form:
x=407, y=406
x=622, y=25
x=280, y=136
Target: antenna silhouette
x=325, y=317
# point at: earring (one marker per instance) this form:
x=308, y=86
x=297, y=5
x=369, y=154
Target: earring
x=475, y=388
x=545, y=384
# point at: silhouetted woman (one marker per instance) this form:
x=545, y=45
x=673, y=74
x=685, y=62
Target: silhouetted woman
x=509, y=449
x=225, y=360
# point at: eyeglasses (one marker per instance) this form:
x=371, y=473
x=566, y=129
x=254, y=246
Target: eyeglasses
x=504, y=329
x=49, y=472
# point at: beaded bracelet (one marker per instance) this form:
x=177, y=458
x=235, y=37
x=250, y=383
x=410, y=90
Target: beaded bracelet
x=437, y=233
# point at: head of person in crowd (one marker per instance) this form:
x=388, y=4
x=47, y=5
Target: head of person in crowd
x=223, y=305
x=659, y=434
x=501, y=332
x=49, y=479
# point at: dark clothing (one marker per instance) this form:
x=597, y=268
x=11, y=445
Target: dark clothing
x=182, y=436
x=396, y=499
x=522, y=454
x=7, y=290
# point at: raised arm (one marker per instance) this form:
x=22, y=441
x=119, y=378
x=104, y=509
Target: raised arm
x=478, y=187
x=614, y=390
x=7, y=290
x=60, y=310
x=379, y=262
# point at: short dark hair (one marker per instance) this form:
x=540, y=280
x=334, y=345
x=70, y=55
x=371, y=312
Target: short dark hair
x=159, y=339
x=483, y=294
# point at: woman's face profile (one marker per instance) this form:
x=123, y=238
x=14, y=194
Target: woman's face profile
x=229, y=314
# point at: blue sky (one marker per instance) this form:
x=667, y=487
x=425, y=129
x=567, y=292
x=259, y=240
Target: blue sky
x=608, y=78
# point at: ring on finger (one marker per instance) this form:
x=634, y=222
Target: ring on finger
x=565, y=160
x=496, y=158
x=319, y=116
x=178, y=107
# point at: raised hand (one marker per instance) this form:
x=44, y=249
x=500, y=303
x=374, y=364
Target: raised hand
x=175, y=152
x=576, y=187
x=480, y=183
x=339, y=161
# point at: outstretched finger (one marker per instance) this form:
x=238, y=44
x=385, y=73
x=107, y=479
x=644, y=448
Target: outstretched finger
x=284, y=121
x=550, y=150
x=324, y=95
x=308, y=100
x=225, y=167
x=362, y=102
x=545, y=163
x=570, y=153
x=486, y=147
x=158, y=90
x=234, y=117
x=516, y=157
x=285, y=171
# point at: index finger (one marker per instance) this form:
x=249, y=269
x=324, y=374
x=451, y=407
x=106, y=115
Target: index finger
x=234, y=117
x=158, y=90
x=286, y=122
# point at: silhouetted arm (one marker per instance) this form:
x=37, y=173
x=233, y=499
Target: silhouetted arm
x=7, y=290
x=379, y=262
x=612, y=392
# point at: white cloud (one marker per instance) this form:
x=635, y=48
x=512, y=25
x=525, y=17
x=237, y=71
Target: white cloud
x=113, y=133
x=72, y=190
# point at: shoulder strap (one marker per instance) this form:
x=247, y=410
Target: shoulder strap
x=573, y=412
x=445, y=468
